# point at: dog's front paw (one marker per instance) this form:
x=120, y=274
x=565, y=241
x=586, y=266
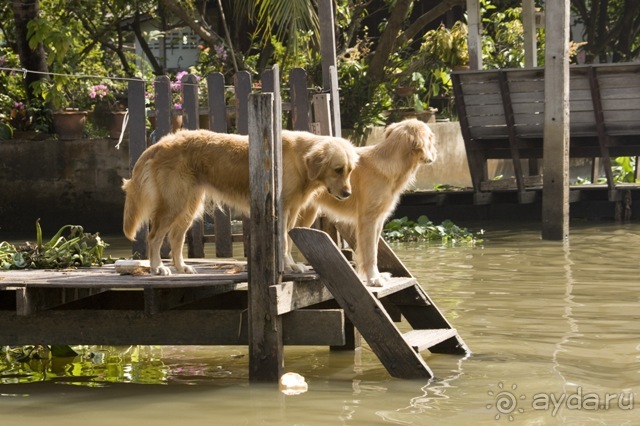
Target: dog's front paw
x=186, y=269
x=161, y=270
x=293, y=267
x=378, y=280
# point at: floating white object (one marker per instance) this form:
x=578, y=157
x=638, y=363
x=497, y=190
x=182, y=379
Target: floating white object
x=293, y=384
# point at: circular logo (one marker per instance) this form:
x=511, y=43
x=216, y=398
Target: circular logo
x=505, y=401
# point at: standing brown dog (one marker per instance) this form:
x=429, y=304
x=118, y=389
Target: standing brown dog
x=383, y=172
x=172, y=178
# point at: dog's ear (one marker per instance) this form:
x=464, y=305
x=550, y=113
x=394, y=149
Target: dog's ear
x=315, y=161
x=390, y=128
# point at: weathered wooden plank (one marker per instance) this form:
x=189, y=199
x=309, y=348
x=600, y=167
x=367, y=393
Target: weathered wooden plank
x=336, y=121
x=162, y=299
x=242, y=91
x=265, y=332
x=210, y=273
x=293, y=295
x=322, y=113
x=137, y=145
x=309, y=326
x=31, y=300
x=299, y=99
x=272, y=79
x=163, y=108
x=175, y=327
x=421, y=340
x=218, y=123
x=362, y=308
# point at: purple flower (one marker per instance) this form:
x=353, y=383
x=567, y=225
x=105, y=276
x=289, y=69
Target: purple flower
x=18, y=105
x=177, y=106
x=221, y=52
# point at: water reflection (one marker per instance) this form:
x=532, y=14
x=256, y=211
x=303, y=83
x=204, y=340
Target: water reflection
x=542, y=318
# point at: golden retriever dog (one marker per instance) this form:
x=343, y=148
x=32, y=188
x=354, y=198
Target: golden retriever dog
x=383, y=172
x=172, y=178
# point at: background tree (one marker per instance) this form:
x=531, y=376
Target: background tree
x=611, y=29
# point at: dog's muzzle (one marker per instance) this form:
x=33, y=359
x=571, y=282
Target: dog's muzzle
x=343, y=195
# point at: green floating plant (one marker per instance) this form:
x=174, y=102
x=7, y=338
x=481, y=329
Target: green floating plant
x=69, y=247
x=424, y=230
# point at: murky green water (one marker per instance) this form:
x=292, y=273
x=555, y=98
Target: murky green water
x=554, y=330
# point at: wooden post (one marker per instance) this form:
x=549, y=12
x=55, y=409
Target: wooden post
x=555, y=183
x=137, y=145
x=265, y=326
x=475, y=34
x=299, y=99
x=529, y=27
x=190, y=112
x=243, y=90
x=321, y=114
x=329, y=61
x=162, y=93
x=218, y=123
x=271, y=83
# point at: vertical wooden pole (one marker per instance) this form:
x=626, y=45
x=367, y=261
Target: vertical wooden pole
x=299, y=99
x=329, y=61
x=555, y=189
x=243, y=90
x=190, y=112
x=218, y=123
x=271, y=83
x=265, y=326
x=529, y=27
x=475, y=34
x=322, y=114
x=164, y=126
x=137, y=145
x=162, y=100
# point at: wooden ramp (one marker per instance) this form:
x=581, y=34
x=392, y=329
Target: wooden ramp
x=372, y=310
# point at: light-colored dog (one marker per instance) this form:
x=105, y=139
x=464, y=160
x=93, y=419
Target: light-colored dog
x=383, y=172
x=172, y=178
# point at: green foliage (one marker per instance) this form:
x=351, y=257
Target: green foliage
x=76, y=249
x=424, y=230
x=503, y=37
x=624, y=169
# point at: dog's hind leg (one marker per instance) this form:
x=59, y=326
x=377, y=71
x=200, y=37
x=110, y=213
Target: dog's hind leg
x=190, y=208
x=158, y=227
x=176, y=239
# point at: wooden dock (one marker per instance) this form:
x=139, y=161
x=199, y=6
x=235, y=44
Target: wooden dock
x=101, y=306
x=232, y=302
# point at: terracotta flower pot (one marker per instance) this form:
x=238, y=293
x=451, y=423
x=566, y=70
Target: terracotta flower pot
x=69, y=124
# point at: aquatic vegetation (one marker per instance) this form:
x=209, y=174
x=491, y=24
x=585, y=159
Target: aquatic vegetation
x=424, y=230
x=69, y=247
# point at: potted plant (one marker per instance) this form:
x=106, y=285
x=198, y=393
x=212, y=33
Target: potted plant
x=69, y=100
x=109, y=108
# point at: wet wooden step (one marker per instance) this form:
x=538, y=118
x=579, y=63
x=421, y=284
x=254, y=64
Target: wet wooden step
x=420, y=340
x=393, y=285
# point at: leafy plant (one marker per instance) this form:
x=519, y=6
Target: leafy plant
x=424, y=230
x=75, y=249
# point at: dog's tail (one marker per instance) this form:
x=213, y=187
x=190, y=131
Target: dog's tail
x=136, y=204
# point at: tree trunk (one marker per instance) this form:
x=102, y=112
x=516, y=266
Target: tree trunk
x=387, y=41
x=32, y=60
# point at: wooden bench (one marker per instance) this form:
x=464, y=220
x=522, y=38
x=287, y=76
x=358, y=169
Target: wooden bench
x=501, y=116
